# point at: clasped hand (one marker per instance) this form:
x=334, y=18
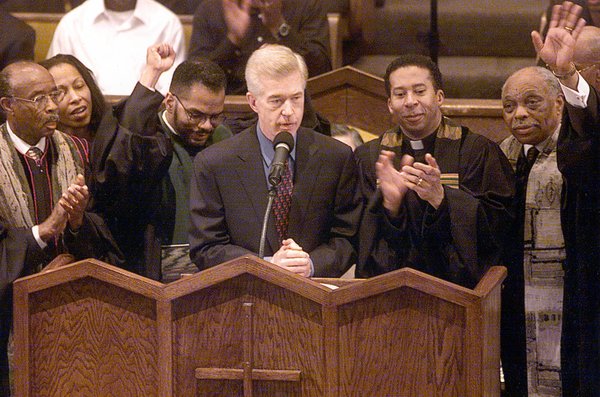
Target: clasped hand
x=423, y=179
x=69, y=210
x=293, y=258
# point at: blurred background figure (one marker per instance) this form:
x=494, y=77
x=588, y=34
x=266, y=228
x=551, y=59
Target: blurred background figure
x=111, y=38
x=344, y=133
x=228, y=31
x=17, y=39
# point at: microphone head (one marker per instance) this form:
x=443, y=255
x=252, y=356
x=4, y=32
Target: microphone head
x=284, y=137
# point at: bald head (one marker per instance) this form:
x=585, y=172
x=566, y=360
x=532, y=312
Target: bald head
x=28, y=97
x=21, y=73
x=587, y=55
x=587, y=48
x=532, y=104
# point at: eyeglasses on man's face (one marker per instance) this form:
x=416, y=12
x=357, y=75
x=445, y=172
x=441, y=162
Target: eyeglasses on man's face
x=199, y=117
x=41, y=101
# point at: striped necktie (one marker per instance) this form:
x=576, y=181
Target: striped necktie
x=35, y=153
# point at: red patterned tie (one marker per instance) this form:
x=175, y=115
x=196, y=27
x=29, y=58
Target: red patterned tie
x=283, y=202
x=35, y=153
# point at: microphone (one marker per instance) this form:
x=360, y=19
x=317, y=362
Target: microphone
x=283, y=145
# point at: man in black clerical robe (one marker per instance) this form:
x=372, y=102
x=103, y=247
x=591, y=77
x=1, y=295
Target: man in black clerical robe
x=578, y=156
x=438, y=196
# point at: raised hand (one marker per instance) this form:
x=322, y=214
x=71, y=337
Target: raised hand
x=557, y=49
x=270, y=14
x=159, y=59
x=237, y=19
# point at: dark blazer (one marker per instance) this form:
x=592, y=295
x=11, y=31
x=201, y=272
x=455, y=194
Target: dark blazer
x=228, y=198
x=17, y=39
x=578, y=155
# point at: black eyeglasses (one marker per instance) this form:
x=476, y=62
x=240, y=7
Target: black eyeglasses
x=199, y=117
x=41, y=101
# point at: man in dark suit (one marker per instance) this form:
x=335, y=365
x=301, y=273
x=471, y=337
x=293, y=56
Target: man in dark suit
x=17, y=39
x=229, y=189
x=578, y=156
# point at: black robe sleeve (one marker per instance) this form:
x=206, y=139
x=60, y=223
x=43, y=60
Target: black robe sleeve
x=457, y=242
x=130, y=155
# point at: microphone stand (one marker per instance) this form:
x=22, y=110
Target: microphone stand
x=263, y=232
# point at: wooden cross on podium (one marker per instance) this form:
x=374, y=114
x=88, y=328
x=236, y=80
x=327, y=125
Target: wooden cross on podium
x=248, y=373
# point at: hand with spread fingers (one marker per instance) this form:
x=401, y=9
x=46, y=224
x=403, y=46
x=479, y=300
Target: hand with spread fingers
x=558, y=47
x=425, y=180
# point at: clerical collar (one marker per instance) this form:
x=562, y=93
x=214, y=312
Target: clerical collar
x=416, y=145
x=426, y=143
x=22, y=146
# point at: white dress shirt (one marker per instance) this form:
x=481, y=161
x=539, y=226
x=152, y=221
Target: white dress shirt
x=577, y=98
x=113, y=44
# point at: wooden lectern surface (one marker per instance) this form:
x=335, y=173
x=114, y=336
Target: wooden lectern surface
x=248, y=328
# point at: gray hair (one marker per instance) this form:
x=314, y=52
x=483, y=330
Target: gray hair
x=273, y=61
x=587, y=47
x=546, y=75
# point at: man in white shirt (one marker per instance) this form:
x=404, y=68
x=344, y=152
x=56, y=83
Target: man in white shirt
x=111, y=37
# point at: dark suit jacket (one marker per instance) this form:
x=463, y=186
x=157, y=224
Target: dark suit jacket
x=578, y=155
x=17, y=39
x=130, y=156
x=228, y=198
x=308, y=36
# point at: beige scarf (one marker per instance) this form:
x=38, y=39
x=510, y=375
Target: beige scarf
x=17, y=209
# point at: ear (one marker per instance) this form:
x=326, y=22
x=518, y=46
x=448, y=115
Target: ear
x=252, y=101
x=440, y=96
x=389, y=105
x=169, y=102
x=560, y=103
x=6, y=104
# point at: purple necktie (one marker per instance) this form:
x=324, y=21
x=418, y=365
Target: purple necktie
x=283, y=202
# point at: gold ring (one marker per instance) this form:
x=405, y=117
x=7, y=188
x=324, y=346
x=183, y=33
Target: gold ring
x=419, y=182
x=568, y=29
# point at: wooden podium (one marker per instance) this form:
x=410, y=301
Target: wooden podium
x=248, y=328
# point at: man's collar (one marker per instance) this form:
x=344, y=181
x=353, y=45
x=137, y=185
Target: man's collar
x=22, y=146
x=547, y=145
x=266, y=146
x=141, y=11
x=446, y=129
x=163, y=116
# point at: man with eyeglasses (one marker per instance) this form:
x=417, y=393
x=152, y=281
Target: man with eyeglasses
x=43, y=193
x=192, y=118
